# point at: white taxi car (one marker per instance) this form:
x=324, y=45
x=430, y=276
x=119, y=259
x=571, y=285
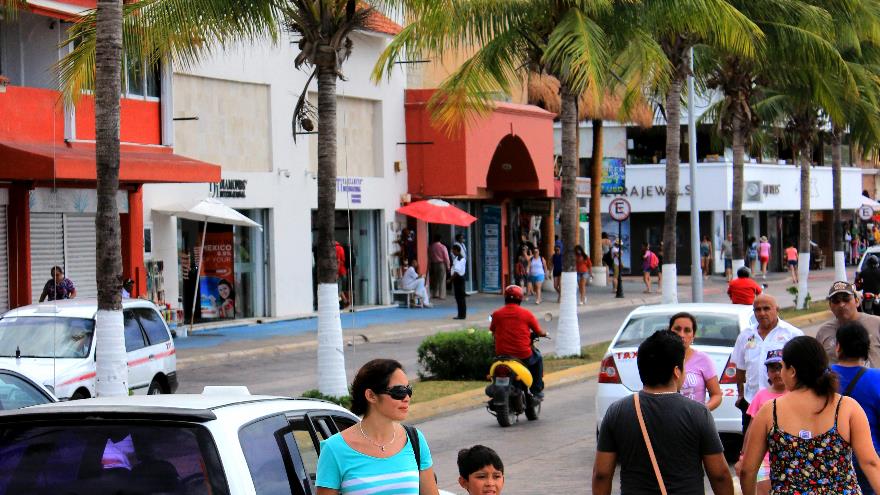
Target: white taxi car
x=718, y=326
x=53, y=344
x=222, y=442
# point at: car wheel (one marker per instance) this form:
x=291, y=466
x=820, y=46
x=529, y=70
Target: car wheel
x=156, y=388
x=80, y=394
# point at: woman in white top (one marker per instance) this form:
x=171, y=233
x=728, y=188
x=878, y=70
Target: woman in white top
x=411, y=280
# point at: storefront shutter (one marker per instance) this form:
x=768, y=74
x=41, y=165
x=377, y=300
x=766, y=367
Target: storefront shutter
x=4, y=263
x=47, y=249
x=79, y=241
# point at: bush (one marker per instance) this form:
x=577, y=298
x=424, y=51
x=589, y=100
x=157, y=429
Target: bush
x=460, y=355
x=315, y=394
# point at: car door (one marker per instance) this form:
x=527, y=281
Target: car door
x=305, y=434
x=162, y=359
x=137, y=354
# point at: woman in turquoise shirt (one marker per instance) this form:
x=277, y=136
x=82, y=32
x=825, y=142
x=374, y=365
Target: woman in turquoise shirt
x=375, y=456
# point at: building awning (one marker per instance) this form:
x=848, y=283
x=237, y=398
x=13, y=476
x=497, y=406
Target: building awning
x=76, y=162
x=507, y=153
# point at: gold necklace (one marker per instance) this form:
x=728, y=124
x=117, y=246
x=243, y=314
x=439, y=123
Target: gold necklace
x=377, y=444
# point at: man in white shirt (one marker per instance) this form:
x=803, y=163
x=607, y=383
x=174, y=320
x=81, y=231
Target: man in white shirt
x=751, y=349
x=459, y=266
x=411, y=280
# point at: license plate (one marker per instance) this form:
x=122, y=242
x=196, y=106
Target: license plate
x=504, y=381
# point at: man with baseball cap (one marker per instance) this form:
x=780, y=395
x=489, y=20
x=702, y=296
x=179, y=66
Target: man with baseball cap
x=844, y=304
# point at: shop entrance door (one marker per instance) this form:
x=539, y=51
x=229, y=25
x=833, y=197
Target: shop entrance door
x=449, y=233
x=359, y=234
x=251, y=249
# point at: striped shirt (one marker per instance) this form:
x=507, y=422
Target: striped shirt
x=350, y=472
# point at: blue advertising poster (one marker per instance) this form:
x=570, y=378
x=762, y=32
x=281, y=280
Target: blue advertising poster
x=609, y=225
x=613, y=175
x=491, y=224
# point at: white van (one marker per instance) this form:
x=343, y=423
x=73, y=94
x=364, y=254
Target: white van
x=53, y=344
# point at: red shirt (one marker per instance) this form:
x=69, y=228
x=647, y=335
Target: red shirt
x=512, y=326
x=340, y=261
x=743, y=290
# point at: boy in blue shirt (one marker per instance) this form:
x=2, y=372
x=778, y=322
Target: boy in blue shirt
x=480, y=471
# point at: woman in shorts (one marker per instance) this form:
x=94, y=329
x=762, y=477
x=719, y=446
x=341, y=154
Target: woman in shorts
x=584, y=268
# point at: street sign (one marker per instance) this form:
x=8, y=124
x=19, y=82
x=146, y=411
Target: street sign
x=866, y=212
x=619, y=209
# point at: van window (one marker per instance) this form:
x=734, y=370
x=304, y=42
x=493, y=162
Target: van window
x=153, y=325
x=265, y=457
x=134, y=336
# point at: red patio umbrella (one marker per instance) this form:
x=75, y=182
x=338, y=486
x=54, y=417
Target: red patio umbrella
x=437, y=211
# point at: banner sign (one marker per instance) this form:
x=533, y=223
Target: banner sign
x=216, y=287
x=491, y=225
x=613, y=175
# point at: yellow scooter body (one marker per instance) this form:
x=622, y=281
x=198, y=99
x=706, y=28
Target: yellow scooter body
x=519, y=370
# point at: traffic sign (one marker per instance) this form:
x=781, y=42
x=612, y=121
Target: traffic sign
x=866, y=212
x=619, y=209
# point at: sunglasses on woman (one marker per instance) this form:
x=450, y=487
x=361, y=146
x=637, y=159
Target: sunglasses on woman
x=398, y=392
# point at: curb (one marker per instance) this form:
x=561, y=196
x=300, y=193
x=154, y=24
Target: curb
x=811, y=319
x=473, y=398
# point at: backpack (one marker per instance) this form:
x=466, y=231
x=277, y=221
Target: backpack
x=653, y=261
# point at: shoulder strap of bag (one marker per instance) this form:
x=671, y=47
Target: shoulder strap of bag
x=413, y=435
x=648, y=444
x=852, y=384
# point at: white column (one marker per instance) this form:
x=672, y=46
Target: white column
x=111, y=366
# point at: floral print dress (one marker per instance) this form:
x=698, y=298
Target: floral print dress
x=814, y=466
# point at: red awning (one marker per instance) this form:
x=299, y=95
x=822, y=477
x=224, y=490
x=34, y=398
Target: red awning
x=138, y=164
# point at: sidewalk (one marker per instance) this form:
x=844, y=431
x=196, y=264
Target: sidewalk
x=215, y=341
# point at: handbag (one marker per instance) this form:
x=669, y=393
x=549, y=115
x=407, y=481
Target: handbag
x=648, y=444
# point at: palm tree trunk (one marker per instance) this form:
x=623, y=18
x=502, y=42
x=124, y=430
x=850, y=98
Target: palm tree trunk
x=837, y=224
x=111, y=378
x=568, y=340
x=596, y=204
x=673, y=160
x=739, y=151
x=805, y=225
x=331, y=357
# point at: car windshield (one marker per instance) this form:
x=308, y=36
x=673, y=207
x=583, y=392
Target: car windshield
x=46, y=337
x=88, y=457
x=712, y=329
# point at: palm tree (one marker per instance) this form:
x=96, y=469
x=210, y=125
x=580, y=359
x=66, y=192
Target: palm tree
x=677, y=27
x=185, y=32
x=563, y=39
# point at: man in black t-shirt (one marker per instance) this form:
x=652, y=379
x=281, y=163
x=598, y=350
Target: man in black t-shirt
x=681, y=430
x=868, y=280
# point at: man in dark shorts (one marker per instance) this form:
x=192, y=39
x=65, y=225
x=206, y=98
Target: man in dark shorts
x=682, y=431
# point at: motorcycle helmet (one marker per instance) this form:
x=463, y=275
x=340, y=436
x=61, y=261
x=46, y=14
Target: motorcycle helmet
x=513, y=294
x=872, y=261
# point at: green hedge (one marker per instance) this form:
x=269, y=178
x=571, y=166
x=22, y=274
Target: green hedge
x=460, y=355
x=344, y=401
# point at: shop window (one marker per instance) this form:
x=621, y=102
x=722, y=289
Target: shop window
x=134, y=336
x=153, y=325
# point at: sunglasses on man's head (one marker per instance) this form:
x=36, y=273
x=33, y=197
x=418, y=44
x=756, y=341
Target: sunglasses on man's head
x=398, y=392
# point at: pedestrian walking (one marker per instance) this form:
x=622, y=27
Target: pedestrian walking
x=607, y=258
x=341, y=275
x=377, y=455
x=830, y=429
x=847, y=245
x=751, y=348
x=480, y=471
x=438, y=255
x=775, y=389
x=58, y=287
x=650, y=264
x=521, y=273
x=742, y=289
x=706, y=257
x=791, y=258
x=843, y=301
x=556, y=261
x=700, y=377
x=727, y=256
x=616, y=251
x=659, y=437
x=584, y=268
x=459, y=268
x=860, y=383
x=764, y=255
x=537, y=272
x=752, y=254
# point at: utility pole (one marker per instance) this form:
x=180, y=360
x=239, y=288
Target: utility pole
x=696, y=272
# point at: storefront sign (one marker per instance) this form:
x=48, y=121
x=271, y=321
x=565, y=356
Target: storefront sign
x=216, y=286
x=229, y=188
x=491, y=224
x=613, y=175
x=642, y=192
x=353, y=186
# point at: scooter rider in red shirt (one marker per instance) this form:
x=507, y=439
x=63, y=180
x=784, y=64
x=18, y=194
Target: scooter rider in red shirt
x=512, y=326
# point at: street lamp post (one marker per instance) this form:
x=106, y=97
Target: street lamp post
x=696, y=272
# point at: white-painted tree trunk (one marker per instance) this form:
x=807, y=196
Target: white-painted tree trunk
x=839, y=265
x=111, y=367
x=331, y=350
x=669, y=290
x=600, y=276
x=803, y=270
x=568, y=335
x=737, y=264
